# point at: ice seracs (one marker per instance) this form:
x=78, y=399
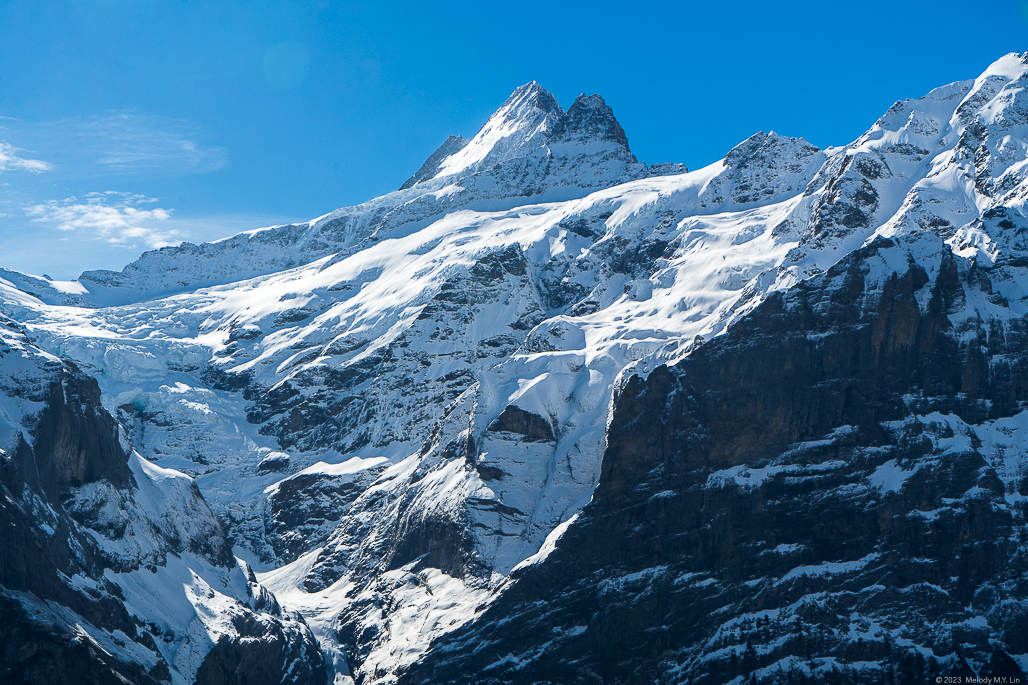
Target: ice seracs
x=114, y=566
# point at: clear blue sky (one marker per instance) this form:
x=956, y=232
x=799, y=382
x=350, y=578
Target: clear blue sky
x=126, y=124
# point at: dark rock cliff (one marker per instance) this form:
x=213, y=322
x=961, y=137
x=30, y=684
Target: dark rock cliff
x=808, y=498
x=589, y=118
x=66, y=486
x=74, y=442
x=264, y=653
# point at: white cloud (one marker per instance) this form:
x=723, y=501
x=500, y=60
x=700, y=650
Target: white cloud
x=118, y=218
x=10, y=160
x=119, y=143
x=129, y=142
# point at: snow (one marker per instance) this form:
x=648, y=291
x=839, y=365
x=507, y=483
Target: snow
x=350, y=466
x=518, y=116
x=428, y=603
x=788, y=548
x=549, y=544
x=145, y=530
x=829, y=568
x=890, y=477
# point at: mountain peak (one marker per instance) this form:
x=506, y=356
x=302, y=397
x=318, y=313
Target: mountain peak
x=530, y=113
x=590, y=117
x=526, y=124
x=533, y=95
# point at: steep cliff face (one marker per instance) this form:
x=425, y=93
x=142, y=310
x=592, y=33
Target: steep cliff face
x=50, y=409
x=103, y=555
x=832, y=491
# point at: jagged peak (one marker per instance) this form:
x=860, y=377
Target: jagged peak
x=590, y=117
x=534, y=94
x=430, y=168
x=524, y=107
x=739, y=155
x=531, y=111
x=529, y=120
x=591, y=101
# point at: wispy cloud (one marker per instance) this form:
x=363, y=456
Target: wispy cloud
x=119, y=143
x=118, y=218
x=129, y=142
x=9, y=159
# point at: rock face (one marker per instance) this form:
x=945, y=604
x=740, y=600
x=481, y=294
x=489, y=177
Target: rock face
x=548, y=415
x=822, y=494
x=93, y=534
x=430, y=168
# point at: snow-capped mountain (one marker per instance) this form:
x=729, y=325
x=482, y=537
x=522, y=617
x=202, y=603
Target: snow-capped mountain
x=546, y=414
x=530, y=150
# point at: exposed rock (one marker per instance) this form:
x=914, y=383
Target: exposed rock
x=80, y=516
x=772, y=498
x=264, y=653
x=589, y=118
x=305, y=508
x=431, y=166
x=513, y=419
x=811, y=364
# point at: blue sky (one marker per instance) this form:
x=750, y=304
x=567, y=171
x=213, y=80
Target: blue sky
x=126, y=124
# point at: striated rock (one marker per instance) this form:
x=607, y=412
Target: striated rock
x=769, y=501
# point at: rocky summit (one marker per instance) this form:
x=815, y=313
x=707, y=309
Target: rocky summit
x=548, y=414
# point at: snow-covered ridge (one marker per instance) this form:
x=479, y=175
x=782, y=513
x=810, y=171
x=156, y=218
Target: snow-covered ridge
x=527, y=116
x=529, y=150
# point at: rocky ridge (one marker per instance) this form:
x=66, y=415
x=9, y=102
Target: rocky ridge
x=530, y=150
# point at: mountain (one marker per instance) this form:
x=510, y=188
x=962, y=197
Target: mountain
x=546, y=414
x=530, y=149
